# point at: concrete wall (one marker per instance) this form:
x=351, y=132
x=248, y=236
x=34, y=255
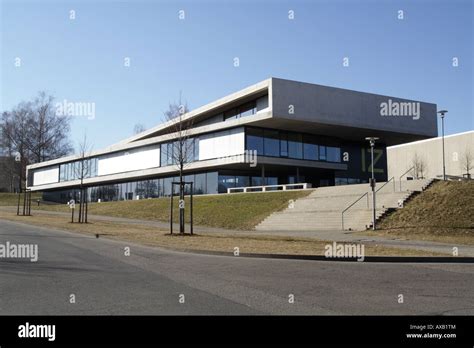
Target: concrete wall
x=134, y=159
x=46, y=176
x=336, y=106
x=222, y=144
x=400, y=157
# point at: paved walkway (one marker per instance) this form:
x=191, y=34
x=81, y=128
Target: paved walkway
x=337, y=236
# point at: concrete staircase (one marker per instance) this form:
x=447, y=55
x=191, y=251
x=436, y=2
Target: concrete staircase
x=322, y=209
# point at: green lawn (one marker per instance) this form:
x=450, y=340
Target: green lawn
x=8, y=199
x=241, y=211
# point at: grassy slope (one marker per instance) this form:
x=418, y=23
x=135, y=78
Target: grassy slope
x=444, y=209
x=11, y=199
x=237, y=211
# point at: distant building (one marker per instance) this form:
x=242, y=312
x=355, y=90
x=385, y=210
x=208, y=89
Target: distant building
x=429, y=154
x=300, y=132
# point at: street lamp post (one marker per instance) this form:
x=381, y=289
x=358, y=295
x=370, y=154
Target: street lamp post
x=372, y=181
x=442, y=113
x=18, y=161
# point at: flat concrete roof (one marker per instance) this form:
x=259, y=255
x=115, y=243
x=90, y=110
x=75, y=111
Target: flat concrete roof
x=323, y=110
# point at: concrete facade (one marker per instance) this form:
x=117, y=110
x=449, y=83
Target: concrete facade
x=300, y=132
x=402, y=157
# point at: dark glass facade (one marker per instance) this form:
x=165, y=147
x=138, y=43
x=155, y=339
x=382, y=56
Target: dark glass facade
x=275, y=143
x=77, y=169
x=204, y=183
x=267, y=142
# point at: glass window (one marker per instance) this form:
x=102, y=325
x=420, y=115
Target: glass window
x=164, y=155
x=333, y=154
x=271, y=143
x=310, y=152
x=283, y=144
x=271, y=180
x=262, y=102
x=256, y=181
x=174, y=152
x=295, y=146
x=340, y=181
x=169, y=153
x=324, y=182
x=231, y=114
x=160, y=187
x=167, y=186
x=322, y=153
x=351, y=181
x=255, y=140
x=187, y=188
x=196, y=149
x=188, y=150
x=310, y=148
x=242, y=181
x=225, y=182
x=247, y=109
x=61, y=173
x=211, y=180
x=200, y=183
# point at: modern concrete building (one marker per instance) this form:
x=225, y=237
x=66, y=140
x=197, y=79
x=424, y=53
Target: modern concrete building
x=427, y=155
x=301, y=132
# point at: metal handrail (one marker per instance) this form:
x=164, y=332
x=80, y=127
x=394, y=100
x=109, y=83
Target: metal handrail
x=357, y=200
x=392, y=178
x=401, y=176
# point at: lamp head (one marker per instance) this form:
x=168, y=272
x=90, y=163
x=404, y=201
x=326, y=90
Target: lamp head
x=442, y=112
x=372, y=140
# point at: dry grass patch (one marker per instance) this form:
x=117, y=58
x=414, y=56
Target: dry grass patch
x=148, y=235
x=442, y=213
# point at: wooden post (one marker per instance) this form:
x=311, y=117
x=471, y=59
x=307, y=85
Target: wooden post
x=24, y=202
x=171, y=209
x=191, y=207
x=87, y=207
x=19, y=199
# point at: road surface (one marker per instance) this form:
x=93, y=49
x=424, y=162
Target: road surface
x=153, y=281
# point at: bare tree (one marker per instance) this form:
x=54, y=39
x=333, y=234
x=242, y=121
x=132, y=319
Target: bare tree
x=419, y=166
x=467, y=161
x=180, y=150
x=14, y=138
x=82, y=170
x=138, y=128
x=35, y=133
x=48, y=131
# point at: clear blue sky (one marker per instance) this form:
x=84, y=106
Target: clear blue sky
x=82, y=59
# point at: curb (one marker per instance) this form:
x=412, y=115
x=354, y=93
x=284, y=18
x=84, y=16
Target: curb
x=386, y=259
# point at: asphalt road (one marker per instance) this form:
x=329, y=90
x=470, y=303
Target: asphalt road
x=151, y=281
